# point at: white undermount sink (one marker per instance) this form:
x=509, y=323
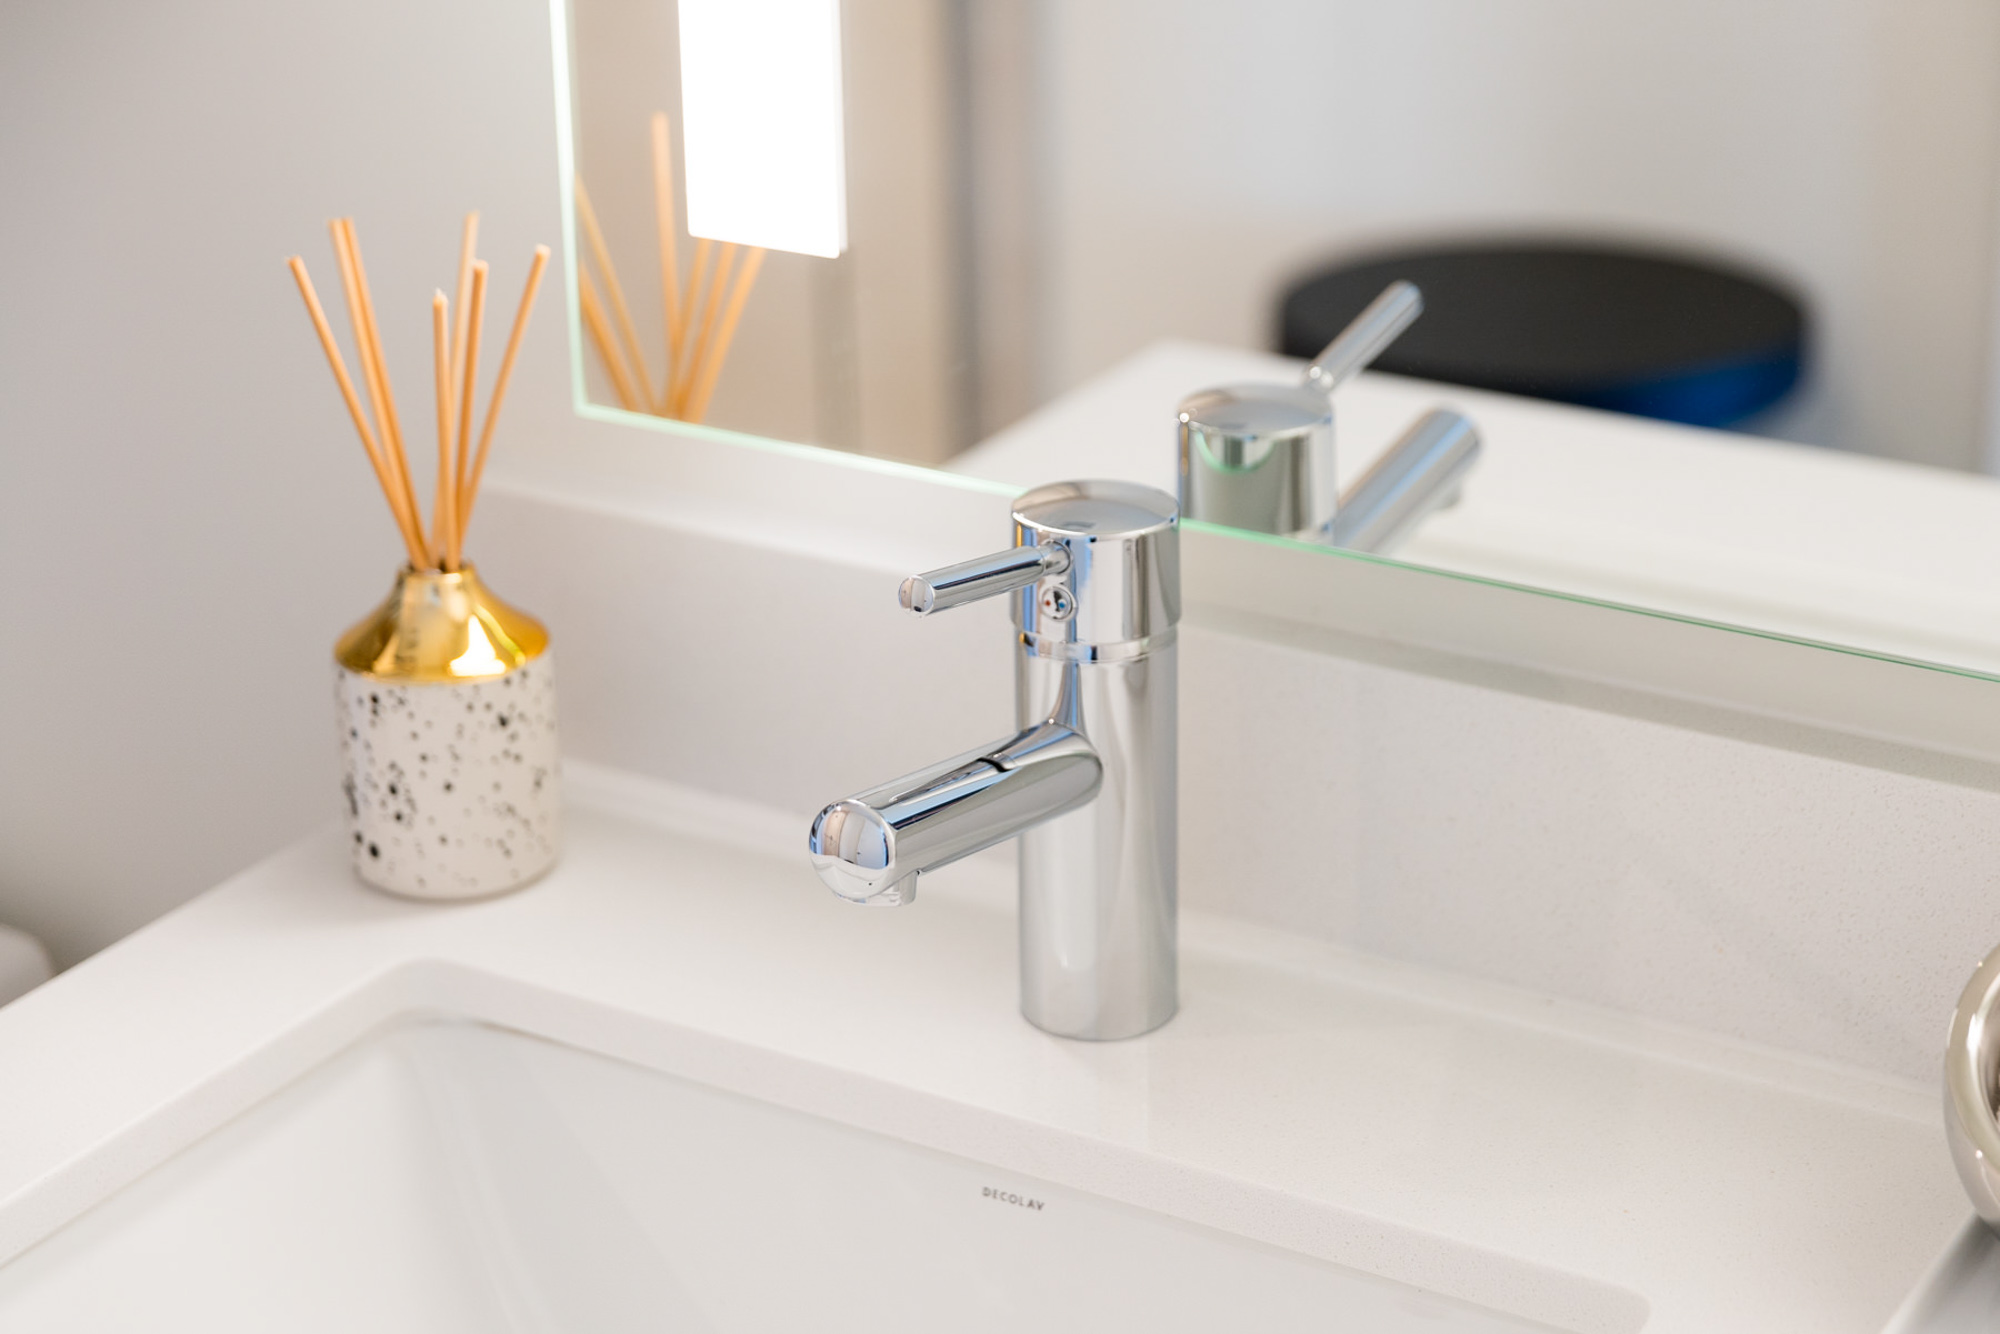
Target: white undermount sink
x=453, y=1176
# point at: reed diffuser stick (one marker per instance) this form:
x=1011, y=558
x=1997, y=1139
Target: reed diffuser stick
x=670, y=261
x=413, y=539
x=711, y=307
x=711, y=366
x=500, y=387
x=697, y=276
x=441, y=513
x=465, y=375
x=354, y=281
x=468, y=245
x=592, y=308
x=617, y=293
x=392, y=425
x=358, y=321
x=468, y=395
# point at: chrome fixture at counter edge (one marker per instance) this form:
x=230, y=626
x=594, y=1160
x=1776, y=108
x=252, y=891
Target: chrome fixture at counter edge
x=1972, y=1089
x=1087, y=783
x=1262, y=456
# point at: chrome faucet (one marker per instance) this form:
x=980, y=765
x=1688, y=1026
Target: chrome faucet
x=1088, y=781
x=1261, y=456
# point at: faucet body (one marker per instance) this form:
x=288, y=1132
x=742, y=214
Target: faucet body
x=1087, y=783
x=1098, y=887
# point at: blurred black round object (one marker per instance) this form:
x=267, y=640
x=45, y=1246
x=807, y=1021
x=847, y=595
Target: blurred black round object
x=1633, y=331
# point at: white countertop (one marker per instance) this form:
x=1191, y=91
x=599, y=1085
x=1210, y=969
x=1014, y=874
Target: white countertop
x=1892, y=557
x=1544, y=1158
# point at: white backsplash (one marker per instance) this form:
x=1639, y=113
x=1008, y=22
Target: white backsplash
x=1808, y=902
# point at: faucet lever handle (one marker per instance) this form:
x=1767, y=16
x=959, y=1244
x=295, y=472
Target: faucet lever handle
x=1367, y=337
x=988, y=576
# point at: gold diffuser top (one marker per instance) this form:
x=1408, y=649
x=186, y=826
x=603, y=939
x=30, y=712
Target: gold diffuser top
x=438, y=626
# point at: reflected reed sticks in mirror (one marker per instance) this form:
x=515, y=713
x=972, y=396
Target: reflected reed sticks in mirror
x=717, y=286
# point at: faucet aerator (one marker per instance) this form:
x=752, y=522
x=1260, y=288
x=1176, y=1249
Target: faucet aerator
x=854, y=851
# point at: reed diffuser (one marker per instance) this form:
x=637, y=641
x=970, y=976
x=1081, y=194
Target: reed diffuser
x=700, y=315
x=445, y=694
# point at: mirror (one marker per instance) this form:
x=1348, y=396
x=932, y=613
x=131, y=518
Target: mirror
x=1773, y=218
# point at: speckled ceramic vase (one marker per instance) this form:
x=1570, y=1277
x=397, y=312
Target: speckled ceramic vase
x=447, y=707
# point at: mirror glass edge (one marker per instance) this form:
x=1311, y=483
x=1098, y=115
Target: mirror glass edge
x=1584, y=600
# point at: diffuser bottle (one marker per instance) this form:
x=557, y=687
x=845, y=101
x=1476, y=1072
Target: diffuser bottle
x=446, y=701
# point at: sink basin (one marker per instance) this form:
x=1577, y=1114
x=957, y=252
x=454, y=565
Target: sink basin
x=444, y=1176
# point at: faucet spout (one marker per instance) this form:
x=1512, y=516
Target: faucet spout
x=871, y=848
x=1421, y=472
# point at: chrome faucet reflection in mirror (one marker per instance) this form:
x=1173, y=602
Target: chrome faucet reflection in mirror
x=1087, y=783
x=1261, y=456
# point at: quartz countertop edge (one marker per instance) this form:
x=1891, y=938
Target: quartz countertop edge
x=1596, y=1171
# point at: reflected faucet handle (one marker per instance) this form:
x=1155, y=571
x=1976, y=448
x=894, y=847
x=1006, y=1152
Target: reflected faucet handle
x=1367, y=337
x=988, y=576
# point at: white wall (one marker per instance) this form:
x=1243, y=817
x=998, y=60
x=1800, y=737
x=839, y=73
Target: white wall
x=186, y=519
x=1201, y=154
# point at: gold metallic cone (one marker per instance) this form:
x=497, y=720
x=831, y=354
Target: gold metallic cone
x=439, y=627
